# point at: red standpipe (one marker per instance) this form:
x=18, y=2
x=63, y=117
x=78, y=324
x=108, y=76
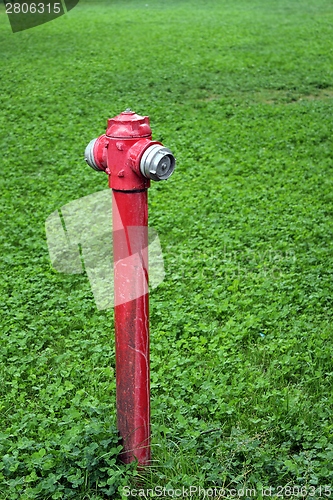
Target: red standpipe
x=132, y=325
x=130, y=158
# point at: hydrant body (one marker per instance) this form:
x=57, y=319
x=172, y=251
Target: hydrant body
x=129, y=156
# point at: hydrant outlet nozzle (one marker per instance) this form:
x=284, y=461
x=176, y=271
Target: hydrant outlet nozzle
x=96, y=153
x=89, y=156
x=157, y=163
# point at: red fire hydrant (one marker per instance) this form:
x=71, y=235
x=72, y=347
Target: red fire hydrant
x=130, y=158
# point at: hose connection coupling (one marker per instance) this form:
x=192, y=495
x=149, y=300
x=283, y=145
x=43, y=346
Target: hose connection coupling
x=128, y=155
x=96, y=153
x=157, y=163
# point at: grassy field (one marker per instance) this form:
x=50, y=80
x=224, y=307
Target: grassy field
x=241, y=332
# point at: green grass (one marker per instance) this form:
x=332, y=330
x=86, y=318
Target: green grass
x=241, y=92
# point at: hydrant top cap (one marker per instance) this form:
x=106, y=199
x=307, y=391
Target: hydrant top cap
x=128, y=125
